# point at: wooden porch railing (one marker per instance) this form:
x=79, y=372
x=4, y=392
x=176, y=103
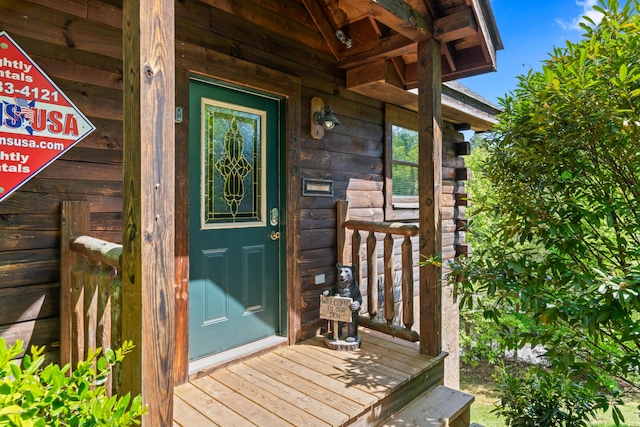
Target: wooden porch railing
x=90, y=285
x=390, y=230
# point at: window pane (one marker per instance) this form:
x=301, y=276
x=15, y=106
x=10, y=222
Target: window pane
x=405, y=144
x=405, y=180
x=405, y=149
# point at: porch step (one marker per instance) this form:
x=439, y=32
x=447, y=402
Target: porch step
x=439, y=407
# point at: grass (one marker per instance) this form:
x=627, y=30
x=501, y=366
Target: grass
x=478, y=381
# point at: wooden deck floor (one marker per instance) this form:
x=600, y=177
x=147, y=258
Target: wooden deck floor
x=310, y=385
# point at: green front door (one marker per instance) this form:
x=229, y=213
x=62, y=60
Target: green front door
x=235, y=239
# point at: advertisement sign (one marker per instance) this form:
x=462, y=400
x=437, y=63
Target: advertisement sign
x=38, y=123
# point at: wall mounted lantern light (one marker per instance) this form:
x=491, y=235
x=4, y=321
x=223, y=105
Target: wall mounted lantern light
x=321, y=118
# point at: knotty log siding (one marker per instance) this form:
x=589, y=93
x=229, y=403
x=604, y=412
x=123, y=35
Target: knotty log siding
x=79, y=45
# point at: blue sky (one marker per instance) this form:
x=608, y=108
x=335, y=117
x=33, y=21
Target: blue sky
x=529, y=31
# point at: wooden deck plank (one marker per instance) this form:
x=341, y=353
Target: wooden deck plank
x=237, y=402
x=402, y=362
x=283, y=391
x=337, y=401
x=404, y=365
x=397, y=345
x=209, y=407
x=363, y=360
x=434, y=409
x=347, y=374
x=415, y=359
x=268, y=400
x=187, y=416
x=322, y=379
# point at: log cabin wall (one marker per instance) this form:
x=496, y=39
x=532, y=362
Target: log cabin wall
x=79, y=45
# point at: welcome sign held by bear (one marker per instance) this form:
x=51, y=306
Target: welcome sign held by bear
x=342, y=309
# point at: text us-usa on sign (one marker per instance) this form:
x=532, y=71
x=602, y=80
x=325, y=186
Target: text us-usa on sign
x=38, y=123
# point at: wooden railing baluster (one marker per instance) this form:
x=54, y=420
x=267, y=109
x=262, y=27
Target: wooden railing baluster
x=355, y=254
x=389, y=300
x=372, y=275
x=103, y=332
x=407, y=282
x=90, y=306
x=77, y=315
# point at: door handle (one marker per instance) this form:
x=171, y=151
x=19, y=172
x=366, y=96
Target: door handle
x=275, y=235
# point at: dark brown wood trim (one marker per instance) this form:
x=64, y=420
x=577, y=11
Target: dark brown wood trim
x=181, y=367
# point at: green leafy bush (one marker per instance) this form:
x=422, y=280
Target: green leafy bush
x=36, y=396
x=562, y=232
x=539, y=397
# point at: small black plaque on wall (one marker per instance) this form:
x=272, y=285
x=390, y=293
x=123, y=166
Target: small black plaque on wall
x=317, y=187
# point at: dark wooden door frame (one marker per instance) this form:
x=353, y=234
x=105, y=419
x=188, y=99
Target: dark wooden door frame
x=190, y=60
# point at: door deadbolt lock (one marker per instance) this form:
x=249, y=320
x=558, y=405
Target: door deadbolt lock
x=274, y=217
x=275, y=235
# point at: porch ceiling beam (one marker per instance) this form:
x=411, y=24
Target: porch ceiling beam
x=389, y=47
x=400, y=16
x=323, y=24
x=148, y=317
x=455, y=26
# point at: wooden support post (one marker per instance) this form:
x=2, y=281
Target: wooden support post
x=75, y=219
x=430, y=193
x=148, y=271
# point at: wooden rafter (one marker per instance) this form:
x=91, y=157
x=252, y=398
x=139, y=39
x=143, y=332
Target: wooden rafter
x=401, y=17
x=400, y=67
x=449, y=56
x=486, y=42
x=389, y=47
x=323, y=24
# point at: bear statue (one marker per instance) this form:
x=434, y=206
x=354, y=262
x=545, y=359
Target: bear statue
x=346, y=286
